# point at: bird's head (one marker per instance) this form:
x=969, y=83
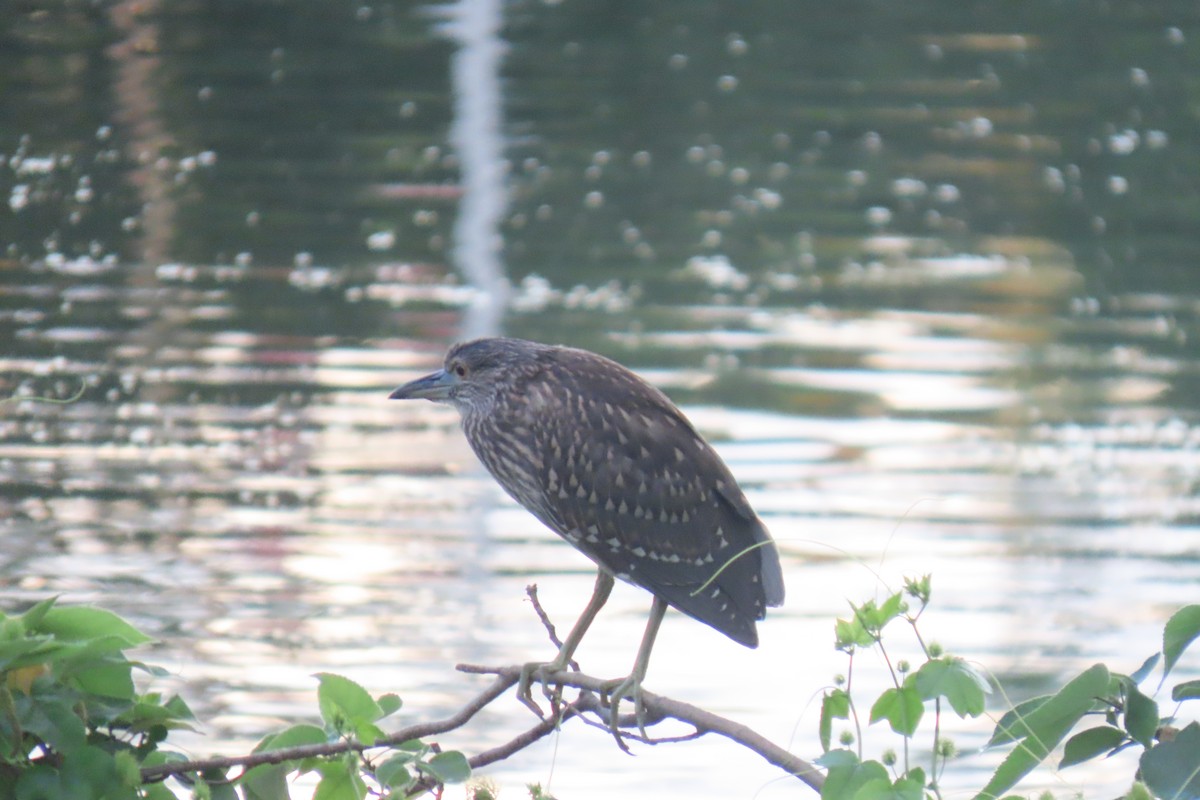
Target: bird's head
x=475, y=374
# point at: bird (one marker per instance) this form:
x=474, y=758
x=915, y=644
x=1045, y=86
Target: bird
x=605, y=460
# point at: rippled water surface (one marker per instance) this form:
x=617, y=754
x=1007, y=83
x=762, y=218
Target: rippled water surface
x=927, y=279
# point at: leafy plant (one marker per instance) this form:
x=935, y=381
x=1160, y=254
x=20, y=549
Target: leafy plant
x=1170, y=762
x=73, y=725
x=940, y=678
x=1035, y=728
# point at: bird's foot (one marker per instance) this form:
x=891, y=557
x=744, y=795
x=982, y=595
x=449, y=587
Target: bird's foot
x=612, y=693
x=540, y=671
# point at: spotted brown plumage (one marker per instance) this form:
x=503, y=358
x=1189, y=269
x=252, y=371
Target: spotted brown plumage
x=609, y=463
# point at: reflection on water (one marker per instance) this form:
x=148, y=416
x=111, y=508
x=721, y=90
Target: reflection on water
x=478, y=138
x=924, y=279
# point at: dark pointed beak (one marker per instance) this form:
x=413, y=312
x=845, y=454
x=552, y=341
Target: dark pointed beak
x=435, y=386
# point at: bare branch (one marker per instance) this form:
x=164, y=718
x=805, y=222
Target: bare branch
x=418, y=731
x=657, y=708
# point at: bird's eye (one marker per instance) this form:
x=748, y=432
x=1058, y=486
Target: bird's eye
x=460, y=370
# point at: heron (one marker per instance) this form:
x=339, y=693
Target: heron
x=605, y=460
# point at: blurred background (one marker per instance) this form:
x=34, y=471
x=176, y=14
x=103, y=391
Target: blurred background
x=924, y=272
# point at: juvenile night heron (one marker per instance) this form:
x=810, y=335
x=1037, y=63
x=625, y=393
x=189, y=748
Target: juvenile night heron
x=606, y=461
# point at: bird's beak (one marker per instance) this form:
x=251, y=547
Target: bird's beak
x=435, y=386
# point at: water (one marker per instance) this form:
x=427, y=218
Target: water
x=925, y=277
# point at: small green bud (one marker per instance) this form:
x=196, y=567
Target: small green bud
x=483, y=790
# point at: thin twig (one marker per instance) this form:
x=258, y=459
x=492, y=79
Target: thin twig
x=512, y=746
x=518, y=743
x=532, y=592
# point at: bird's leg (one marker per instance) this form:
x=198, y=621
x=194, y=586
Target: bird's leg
x=631, y=687
x=540, y=669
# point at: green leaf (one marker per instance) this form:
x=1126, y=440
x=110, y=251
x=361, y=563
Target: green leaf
x=53, y=720
x=954, y=679
x=845, y=781
x=389, y=703
x=346, y=707
x=1034, y=718
x=884, y=789
x=33, y=617
x=1146, y=668
x=873, y=618
x=28, y=652
x=127, y=768
x=850, y=633
x=413, y=746
x=1141, y=716
x=1088, y=744
x=148, y=711
x=340, y=781
x=1172, y=769
x=78, y=623
x=919, y=588
x=1188, y=690
x=107, y=679
x=874, y=789
x=295, y=736
x=1043, y=727
x=152, y=670
x=266, y=782
x=407, y=757
x=394, y=773
x=902, y=708
x=1180, y=631
x=368, y=733
x=839, y=757
x=91, y=772
x=891, y=608
x=834, y=705
x=159, y=791
x=220, y=790
x=449, y=767
x=39, y=782
x=1010, y=727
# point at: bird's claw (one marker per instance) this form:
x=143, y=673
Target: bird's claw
x=539, y=671
x=612, y=693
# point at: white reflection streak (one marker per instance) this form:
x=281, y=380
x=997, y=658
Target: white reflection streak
x=475, y=134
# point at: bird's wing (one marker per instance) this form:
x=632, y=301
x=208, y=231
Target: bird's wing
x=632, y=484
